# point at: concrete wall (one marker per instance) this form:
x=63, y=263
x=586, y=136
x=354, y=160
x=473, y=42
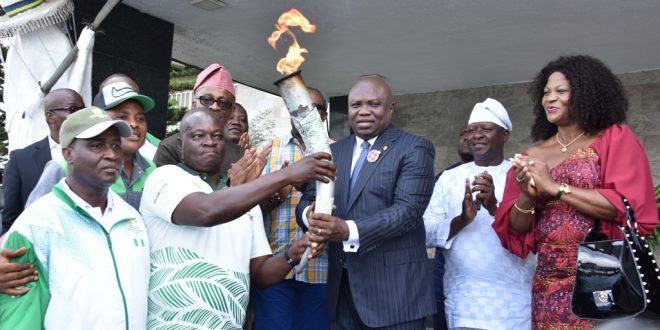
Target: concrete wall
x=439, y=116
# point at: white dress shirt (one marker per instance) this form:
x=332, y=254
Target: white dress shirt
x=55, y=148
x=486, y=286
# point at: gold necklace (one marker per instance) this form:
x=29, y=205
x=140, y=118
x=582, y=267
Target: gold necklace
x=565, y=146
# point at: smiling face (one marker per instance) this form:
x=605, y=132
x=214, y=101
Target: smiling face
x=95, y=162
x=237, y=124
x=486, y=141
x=131, y=112
x=370, y=107
x=556, y=99
x=202, y=144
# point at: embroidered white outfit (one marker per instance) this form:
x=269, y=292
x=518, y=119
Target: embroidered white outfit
x=486, y=287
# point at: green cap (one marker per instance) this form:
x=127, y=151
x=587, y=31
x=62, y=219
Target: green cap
x=117, y=93
x=88, y=123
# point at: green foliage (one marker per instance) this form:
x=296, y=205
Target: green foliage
x=178, y=70
x=262, y=128
x=174, y=115
x=182, y=77
x=181, y=84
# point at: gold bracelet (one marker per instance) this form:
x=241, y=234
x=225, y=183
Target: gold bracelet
x=530, y=211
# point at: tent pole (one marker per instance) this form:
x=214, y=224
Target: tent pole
x=73, y=53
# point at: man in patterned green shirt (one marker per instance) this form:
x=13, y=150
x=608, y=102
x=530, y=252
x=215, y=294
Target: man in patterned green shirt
x=201, y=275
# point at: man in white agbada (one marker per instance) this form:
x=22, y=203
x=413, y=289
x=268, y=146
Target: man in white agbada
x=486, y=287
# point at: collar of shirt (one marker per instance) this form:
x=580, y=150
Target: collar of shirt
x=205, y=177
x=95, y=212
x=55, y=148
x=139, y=166
x=357, y=149
x=289, y=138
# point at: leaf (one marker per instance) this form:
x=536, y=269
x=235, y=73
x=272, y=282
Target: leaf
x=188, y=292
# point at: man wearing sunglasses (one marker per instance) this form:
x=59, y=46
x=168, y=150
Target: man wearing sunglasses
x=214, y=90
x=26, y=165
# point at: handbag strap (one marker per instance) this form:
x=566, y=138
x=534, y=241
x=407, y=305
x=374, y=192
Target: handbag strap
x=596, y=233
x=630, y=214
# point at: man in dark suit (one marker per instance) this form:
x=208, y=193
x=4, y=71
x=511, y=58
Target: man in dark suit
x=379, y=274
x=25, y=165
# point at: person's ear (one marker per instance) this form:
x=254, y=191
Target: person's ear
x=392, y=105
x=49, y=117
x=67, y=153
x=505, y=135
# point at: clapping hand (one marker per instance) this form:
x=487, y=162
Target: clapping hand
x=249, y=167
x=525, y=180
x=483, y=185
x=244, y=141
x=532, y=175
x=469, y=206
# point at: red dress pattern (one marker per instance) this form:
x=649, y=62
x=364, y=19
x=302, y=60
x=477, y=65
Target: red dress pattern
x=558, y=232
x=615, y=165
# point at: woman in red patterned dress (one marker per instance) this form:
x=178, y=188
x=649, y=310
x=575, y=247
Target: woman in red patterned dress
x=584, y=161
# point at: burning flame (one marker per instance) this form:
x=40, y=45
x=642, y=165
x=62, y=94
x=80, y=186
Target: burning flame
x=293, y=58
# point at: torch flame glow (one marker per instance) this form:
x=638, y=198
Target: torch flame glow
x=293, y=58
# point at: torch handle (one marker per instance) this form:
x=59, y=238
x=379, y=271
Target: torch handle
x=324, y=200
x=303, y=261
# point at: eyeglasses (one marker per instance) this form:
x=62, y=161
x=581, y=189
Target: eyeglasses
x=208, y=101
x=70, y=109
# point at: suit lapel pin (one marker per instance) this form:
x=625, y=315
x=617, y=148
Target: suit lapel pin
x=373, y=155
x=385, y=148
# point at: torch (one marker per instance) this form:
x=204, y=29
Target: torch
x=304, y=115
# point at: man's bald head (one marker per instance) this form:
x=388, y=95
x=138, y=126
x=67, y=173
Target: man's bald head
x=375, y=81
x=119, y=77
x=58, y=104
x=191, y=114
x=54, y=97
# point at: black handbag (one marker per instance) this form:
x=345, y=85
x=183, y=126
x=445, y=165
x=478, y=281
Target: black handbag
x=615, y=278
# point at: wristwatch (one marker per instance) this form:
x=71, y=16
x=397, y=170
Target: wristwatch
x=276, y=199
x=563, y=189
x=290, y=260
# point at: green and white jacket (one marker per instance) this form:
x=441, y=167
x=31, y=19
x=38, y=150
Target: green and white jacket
x=93, y=268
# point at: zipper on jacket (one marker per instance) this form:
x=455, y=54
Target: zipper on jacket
x=114, y=263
